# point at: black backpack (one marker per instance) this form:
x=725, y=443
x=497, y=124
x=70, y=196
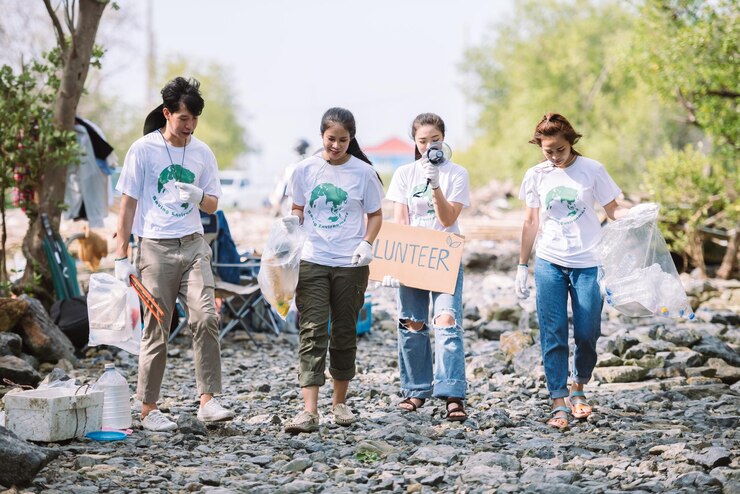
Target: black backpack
x=70, y=315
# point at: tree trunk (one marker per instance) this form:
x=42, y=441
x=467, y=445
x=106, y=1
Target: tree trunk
x=729, y=261
x=695, y=250
x=76, y=55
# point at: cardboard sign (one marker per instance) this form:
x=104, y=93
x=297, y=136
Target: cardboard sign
x=417, y=257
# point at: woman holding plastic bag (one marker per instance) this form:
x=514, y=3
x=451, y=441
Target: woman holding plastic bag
x=337, y=198
x=562, y=190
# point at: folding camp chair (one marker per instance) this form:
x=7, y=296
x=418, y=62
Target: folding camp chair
x=236, y=282
x=61, y=264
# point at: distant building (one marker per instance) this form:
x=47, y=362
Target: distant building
x=390, y=154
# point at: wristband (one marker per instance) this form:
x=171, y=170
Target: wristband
x=522, y=264
x=202, y=198
x=121, y=259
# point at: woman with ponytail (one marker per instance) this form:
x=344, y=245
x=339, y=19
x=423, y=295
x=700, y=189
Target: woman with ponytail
x=337, y=196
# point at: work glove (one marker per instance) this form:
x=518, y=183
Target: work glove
x=390, y=282
x=520, y=284
x=431, y=173
x=290, y=222
x=190, y=193
x=124, y=269
x=363, y=254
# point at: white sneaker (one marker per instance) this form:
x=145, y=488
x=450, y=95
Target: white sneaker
x=157, y=421
x=214, y=412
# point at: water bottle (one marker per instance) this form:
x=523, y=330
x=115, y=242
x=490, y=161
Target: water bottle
x=116, y=404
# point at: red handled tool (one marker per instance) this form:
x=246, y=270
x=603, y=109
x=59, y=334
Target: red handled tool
x=148, y=299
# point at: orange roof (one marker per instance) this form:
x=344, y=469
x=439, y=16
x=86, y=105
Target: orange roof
x=392, y=146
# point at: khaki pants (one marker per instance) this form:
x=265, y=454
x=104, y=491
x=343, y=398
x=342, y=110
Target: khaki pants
x=322, y=292
x=170, y=268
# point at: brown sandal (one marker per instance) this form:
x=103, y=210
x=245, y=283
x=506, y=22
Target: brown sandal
x=559, y=418
x=458, y=408
x=410, y=402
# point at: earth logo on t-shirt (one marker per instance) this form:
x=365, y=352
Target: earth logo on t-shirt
x=327, y=206
x=561, y=203
x=168, y=197
x=421, y=206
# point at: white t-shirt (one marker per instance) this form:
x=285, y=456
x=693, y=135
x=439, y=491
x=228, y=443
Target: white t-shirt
x=149, y=176
x=409, y=180
x=335, y=199
x=566, y=197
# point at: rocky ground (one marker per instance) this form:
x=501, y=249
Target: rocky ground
x=666, y=416
x=666, y=409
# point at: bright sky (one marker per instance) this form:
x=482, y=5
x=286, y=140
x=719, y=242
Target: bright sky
x=290, y=60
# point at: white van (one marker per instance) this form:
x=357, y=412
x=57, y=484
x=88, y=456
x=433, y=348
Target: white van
x=238, y=191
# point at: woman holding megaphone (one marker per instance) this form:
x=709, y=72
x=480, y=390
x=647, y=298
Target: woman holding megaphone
x=430, y=193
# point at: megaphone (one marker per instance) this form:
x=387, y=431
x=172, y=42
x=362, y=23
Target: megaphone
x=438, y=153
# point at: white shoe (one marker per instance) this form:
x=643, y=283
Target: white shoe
x=212, y=411
x=157, y=421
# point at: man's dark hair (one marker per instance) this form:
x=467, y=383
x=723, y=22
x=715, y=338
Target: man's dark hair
x=185, y=91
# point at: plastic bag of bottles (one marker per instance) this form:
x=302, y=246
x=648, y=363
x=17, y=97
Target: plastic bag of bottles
x=280, y=264
x=636, y=274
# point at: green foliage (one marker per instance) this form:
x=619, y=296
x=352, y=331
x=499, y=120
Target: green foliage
x=687, y=50
x=367, y=456
x=219, y=125
x=28, y=138
x=567, y=57
x=29, y=142
x=693, y=191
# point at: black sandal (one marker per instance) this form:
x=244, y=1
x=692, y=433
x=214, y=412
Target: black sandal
x=458, y=409
x=414, y=406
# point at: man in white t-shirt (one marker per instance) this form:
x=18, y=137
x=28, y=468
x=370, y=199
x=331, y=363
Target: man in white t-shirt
x=167, y=176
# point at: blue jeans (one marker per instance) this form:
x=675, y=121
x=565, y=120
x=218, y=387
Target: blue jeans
x=554, y=284
x=415, y=350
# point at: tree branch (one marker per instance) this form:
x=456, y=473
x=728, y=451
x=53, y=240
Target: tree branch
x=689, y=108
x=723, y=93
x=57, y=26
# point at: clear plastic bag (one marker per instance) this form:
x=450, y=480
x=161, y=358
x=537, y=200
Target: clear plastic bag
x=636, y=274
x=114, y=313
x=279, y=266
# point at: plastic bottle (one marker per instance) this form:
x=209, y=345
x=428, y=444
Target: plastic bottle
x=116, y=401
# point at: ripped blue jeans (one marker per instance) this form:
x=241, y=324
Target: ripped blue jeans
x=415, y=349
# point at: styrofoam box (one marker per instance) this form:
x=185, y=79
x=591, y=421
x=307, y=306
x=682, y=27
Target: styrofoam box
x=54, y=414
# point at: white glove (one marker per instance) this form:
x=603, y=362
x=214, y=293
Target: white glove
x=190, y=193
x=390, y=282
x=124, y=269
x=431, y=173
x=363, y=254
x=520, y=284
x=291, y=222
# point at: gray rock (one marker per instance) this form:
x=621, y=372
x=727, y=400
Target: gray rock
x=440, y=454
x=711, y=346
x=10, y=344
x=493, y=460
x=18, y=371
x=620, y=374
x=298, y=465
x=625, y=342
x=493, y=330
x=21, y=461
x=711, y=457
